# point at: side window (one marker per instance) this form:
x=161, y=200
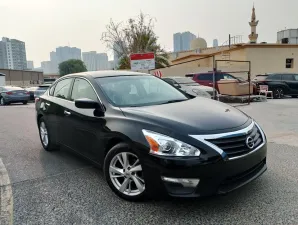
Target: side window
x=170, y=81
x=82, y=89
x=296, y=77
x=204, y=77
x=62, y=88
x=274, y=77
x=288, y=77
x=219, y=76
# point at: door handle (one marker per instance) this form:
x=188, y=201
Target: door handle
x=67, y=113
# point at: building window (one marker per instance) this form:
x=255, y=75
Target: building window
x=289, y=63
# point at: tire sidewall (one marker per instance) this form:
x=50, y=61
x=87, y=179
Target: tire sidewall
x=122, y=147
x=50, y=146
x=1, y=98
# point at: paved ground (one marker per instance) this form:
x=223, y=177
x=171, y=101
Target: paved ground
x=59, y=188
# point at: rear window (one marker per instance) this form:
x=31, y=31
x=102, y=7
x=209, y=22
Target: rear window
x=274, y=77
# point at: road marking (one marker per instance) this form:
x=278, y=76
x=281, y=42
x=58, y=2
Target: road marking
x=6, y=200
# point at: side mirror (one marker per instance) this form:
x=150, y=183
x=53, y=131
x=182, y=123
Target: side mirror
x=86, y=103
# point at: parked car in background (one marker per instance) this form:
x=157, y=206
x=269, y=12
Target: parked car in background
x=190, y=87
x=40, y=90
x=149, y=137
x=12, y=94
x=31, y=91
x=206, y=79
x=280, y=84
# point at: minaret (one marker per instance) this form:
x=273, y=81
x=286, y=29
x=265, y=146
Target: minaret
x=253, y=37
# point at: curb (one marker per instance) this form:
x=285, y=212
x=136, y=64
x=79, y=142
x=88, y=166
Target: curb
x=6, y=199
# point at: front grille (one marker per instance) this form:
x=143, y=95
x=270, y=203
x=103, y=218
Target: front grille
x=236, y=145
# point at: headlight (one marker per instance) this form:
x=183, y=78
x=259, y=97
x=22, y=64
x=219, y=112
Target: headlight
x=164, y=145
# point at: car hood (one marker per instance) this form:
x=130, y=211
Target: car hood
x=194, y=116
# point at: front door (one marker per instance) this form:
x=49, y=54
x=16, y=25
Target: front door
x=86, y=130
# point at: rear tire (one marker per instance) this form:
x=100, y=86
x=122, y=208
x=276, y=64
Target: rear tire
x=25, y=102
x=294, y=96
x=45, y=137
x=2, y=101
x=278, y=93
x=124, y=173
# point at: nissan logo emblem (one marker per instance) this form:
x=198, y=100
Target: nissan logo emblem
x=250, y=143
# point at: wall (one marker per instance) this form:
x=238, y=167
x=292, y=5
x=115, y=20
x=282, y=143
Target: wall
x=272, y=60
x=22, y=78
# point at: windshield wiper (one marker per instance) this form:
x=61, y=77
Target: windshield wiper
x=173, y=101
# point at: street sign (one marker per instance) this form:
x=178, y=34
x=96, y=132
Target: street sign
x=142, y=61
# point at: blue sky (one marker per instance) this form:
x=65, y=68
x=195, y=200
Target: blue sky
x=46, y=24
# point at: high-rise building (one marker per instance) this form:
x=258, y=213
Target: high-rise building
x=65, y=53
x=89, y=59
x=15, y=54
x=96, y=61
x=47, y=67
x=30, y=65
x=182, y=41
x=102, y=61
x=3, y=56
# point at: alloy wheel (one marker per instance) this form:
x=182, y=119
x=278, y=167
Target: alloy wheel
x=2, y=101
x=44, y=134
x=126, y=174
x=279, y=93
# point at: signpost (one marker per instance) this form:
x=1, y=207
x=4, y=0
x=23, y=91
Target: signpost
x=142, y=61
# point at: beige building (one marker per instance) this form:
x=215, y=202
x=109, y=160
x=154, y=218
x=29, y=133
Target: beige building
x=264, y=57
x=22, y=78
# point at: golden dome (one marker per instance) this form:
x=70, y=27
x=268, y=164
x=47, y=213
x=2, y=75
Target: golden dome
x=198, y=43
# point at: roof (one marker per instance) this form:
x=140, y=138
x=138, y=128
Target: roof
x=109, y=73
x=234, y=48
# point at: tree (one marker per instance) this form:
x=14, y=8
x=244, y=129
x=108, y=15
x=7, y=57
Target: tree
x=135, y=36
x=71, y=66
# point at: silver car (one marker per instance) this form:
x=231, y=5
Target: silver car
x=11, y=94
x=190, y=86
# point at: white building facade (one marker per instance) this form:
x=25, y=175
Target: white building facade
x=15, y=54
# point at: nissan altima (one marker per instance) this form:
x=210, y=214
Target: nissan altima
x=149, y=137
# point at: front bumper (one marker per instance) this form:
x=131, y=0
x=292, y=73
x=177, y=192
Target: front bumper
x=219, y=177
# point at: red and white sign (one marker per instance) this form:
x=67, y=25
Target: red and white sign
x=158, y=73
x=142, y=61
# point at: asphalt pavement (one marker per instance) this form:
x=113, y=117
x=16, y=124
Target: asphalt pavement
x=60, y=188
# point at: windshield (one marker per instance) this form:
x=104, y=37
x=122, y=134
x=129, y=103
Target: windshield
x=128, y=91
x=185, y=80
x=260, y=78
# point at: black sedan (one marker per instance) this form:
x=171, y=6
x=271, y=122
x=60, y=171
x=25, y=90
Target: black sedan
x=12, y=94
x=149, y=137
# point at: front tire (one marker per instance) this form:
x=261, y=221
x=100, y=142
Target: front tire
x=25, y=102
x=45, y=137
x=124, y=173
x=278, y=93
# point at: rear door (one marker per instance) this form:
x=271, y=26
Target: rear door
x=291, y=82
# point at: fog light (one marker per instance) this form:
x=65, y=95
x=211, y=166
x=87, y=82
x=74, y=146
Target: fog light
x=186, y=182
